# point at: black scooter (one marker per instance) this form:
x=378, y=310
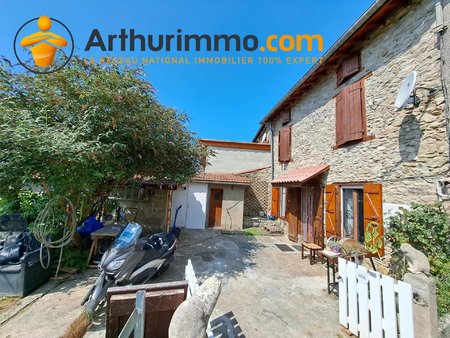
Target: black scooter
x=130, y=260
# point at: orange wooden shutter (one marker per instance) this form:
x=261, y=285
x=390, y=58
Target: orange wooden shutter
x=284, y=145
x=373, y=218
x=331, y=210
x=340, y=110
x=350, y=66
x=275, y=211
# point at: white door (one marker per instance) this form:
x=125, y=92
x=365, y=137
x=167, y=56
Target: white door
x=179, y=198
x=196, y=206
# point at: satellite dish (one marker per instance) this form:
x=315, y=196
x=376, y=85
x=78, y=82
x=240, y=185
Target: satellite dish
x=407, y=88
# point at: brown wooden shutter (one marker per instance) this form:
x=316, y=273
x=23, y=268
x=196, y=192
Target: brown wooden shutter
x=373, y=217
x=340, y=110
x=354, y=110
x=350, y=113
x=332, y=211
x=275, y=211
x=318, y=217
x=284, y=144
x=349, y=66
x=286, y=116
x=340, y=74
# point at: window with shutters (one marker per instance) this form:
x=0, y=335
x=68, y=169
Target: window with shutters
x=356, y=211
x=351, y=114
x=349, y=66
x=286, y=116
x=284, y=144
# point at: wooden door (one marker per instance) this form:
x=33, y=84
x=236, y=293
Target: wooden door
x=293, y=213
x=307, y=213
x=215, y=207
x=318, y=216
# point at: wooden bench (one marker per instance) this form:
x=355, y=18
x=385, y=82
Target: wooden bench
x=313, y=252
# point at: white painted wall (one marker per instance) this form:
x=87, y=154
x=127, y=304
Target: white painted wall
x=192, y=198
x=232, y=160
x=179, y=197
x=196, y=205
x=233, y=207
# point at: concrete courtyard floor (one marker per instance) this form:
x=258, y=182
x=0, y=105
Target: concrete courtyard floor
x=265, y=292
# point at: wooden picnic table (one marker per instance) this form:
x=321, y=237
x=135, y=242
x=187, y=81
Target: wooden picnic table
x=108, y=232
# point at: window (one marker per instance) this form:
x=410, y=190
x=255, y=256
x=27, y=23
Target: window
x=352, y=214
x=351, y=114
x=284, y=144
x=356, y=212
x=286, y=116
x=283, y=202
x=349, y=66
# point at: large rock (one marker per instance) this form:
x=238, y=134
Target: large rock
x=190, y=320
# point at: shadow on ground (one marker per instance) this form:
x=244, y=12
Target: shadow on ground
x=212, y=254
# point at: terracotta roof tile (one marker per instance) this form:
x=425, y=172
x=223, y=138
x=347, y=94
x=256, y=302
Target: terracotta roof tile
x=221, y=178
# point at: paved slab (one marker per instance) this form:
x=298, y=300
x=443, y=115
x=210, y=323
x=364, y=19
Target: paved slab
x=266, y=292
x=49, y=311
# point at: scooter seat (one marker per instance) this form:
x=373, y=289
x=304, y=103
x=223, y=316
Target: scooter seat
x=160, y=239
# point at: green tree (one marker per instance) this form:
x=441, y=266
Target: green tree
x=79, y=131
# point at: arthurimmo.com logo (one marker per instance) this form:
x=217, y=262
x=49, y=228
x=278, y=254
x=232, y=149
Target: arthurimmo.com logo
x=43, y=45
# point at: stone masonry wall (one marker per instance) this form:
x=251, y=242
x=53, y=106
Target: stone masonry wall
x=410, y=149
x=257, y=195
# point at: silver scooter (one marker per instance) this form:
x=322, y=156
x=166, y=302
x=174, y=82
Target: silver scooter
x=131, y=260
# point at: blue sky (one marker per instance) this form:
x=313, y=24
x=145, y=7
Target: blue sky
x=224, y=101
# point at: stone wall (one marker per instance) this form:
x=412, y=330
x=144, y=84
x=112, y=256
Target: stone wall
x=410, y=149
x=151, y=212
x=257, y=194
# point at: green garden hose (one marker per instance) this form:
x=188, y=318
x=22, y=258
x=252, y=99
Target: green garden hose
x=49, y=223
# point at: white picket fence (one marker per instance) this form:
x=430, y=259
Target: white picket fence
x=371, y=303
x=189, y=275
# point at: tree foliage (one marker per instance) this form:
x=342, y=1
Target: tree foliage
x=78, y=131
x=426, y=228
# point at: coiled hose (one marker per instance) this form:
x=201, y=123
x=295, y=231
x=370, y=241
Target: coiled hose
x=49, y=222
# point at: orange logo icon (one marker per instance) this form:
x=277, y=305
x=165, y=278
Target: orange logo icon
x=44, y=43
x=45, y=46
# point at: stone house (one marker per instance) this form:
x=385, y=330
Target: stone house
x=343, y=155
x=234, y=183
